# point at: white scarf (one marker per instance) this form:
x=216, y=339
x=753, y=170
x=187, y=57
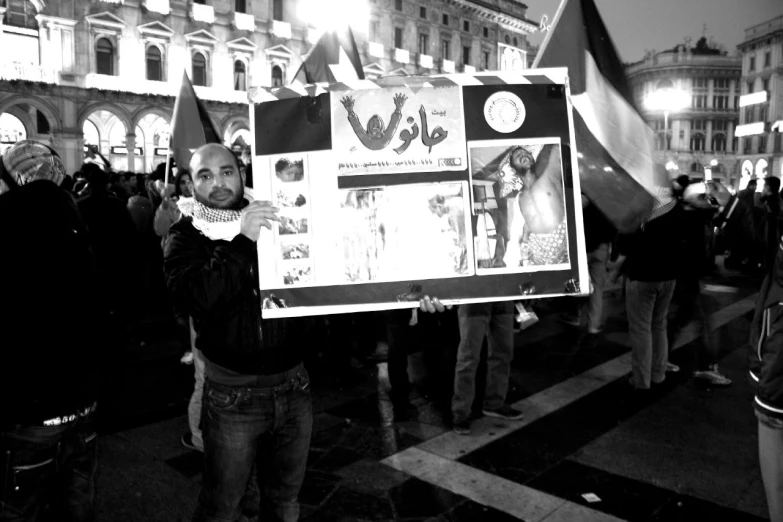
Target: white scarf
x=215, y=223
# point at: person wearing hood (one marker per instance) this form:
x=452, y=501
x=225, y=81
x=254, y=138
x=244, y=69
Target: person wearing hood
x=650, y=258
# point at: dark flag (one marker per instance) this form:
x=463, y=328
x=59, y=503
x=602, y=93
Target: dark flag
x=333, y=58
x=612, y=139
x=191, y=126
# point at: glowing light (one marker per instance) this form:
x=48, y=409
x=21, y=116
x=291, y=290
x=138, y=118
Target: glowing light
x=672, y=166
x=753, y=98
x=608, y=169
x=668, y=100
x=333, y=15
x=749, y=129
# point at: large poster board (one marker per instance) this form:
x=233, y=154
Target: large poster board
x=463, y=187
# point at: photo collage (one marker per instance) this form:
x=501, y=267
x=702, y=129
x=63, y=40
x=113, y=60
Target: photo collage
x=291, y=189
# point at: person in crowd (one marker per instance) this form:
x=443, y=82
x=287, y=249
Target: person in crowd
x=168, y=213
x=770, y=197
x=253, y=368
x=748, y=194
x=765, y=358
x=115, y=241
x=599, y=235
x=649, y=258
x=700, y=209
x=49, y=370
x=140, y=206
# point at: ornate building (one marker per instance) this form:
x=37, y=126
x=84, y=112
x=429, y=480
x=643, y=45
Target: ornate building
x=761, y=106
x=689, y=95
x=106, y=72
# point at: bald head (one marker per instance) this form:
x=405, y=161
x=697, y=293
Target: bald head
x=217, y=180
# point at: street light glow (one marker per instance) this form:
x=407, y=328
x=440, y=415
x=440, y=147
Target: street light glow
x=668, y=100
x=335, y=14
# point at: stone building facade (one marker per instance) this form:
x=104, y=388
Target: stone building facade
x=761, y=106
x=700, y=133
x=106, y=72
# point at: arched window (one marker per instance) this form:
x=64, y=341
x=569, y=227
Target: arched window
x=697, y=142
x=199, y=70
x=277, y=76
x=21, y=13
x=719, y=143
x=664, y=84
x=154, y=64
x=240, y=76
x=104, y=57
x=697, y=168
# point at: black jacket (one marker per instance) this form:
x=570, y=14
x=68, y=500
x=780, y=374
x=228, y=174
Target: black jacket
x=51, y=323
x=216, y=283
x=654, y=252
x=765, y=354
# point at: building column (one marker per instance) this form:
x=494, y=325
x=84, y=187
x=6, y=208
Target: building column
x=130, y=144
x=70, y=147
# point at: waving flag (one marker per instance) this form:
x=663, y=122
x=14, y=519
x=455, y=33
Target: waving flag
x=191, y=126
x=333, y=58
x=613, y=141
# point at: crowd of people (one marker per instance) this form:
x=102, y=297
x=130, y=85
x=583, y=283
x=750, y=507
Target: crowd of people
x=77, y=244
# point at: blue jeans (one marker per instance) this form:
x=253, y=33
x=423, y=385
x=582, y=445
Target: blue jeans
x=48, y=471
x=269, y=425
x=476, y=321
x=647, y=304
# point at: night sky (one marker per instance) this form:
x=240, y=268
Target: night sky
x=636, y=25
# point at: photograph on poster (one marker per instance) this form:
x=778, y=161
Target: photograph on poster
x=292, y=225
x=297, y=274
x=289, y=169
x=296, y=250
x=290, y=198
x=406, y=232
x=519, y=205
x=392, y=130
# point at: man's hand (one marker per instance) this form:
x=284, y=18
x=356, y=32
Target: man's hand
x=256, y=215
x=432, y=305
x=399, y=100
x=347, y=103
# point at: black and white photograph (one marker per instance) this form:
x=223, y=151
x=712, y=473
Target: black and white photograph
x=289, y=169
x=405, y=232
x=518, y=199
x=296, y=250
x=297, y=274
x=290, y=198
x=292, y=225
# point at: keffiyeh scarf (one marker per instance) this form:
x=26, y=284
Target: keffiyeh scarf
x=215, y=223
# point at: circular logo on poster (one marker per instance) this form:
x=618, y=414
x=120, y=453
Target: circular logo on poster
x=504, y=112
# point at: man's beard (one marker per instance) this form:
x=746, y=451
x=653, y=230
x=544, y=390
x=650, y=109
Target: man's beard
x=224, y=199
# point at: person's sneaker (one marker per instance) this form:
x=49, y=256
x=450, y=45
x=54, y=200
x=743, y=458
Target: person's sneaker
x=504, y=412
x=187, y=441
x=713, y=376
x=461, y=427
x=672, y=368
x=573, y=320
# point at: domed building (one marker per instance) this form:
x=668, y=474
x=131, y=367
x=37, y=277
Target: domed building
x=689, y=95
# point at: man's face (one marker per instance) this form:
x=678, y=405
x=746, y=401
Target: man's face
x=217, y=182
x=521, y=160
x=186, y=187
x=375, y=126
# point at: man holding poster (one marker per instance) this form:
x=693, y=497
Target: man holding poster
x=257, y=404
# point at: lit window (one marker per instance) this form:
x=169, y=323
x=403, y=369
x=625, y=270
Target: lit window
x=277, y=76
x=154, y=64
x=199, y=70
x=240, y=76
x=104, y=57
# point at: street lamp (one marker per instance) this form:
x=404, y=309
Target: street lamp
x=667, y=100
x=671, y=166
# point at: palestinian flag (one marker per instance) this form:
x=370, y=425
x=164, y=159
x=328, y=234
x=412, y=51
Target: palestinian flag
x=612, y=139
x=333, y=58
x=191, y=126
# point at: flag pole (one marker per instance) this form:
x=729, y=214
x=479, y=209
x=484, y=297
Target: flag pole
x=168, y=168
